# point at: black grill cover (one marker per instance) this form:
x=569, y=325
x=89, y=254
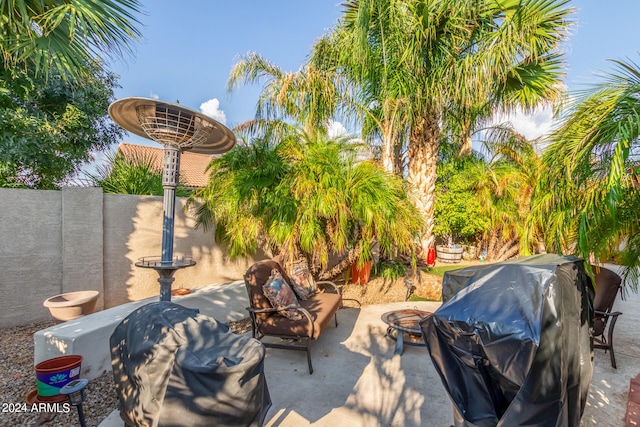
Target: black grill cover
x=174, y=367
x=511, y=342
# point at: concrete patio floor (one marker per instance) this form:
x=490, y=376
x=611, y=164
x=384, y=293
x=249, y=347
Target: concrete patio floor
x=358, y=381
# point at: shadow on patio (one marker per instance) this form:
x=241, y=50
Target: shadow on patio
x=358, y=381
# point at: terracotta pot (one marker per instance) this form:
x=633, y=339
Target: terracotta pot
x=360, y=276
x=72, y=305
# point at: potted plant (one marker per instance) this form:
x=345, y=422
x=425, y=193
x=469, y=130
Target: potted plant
x=360, y=272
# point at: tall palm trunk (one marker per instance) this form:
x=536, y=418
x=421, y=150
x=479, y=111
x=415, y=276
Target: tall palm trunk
x=390, y=138
x=467, y=146
x=421, y=173
x=388, y=155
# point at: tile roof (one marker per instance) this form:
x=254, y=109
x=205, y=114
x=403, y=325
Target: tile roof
x=192, y=166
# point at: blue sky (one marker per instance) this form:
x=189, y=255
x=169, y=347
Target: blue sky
x=189, y=48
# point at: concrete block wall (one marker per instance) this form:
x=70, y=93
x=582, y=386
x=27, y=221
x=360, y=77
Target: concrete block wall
x=82, y=242
x=53, y=242
x=30, y=257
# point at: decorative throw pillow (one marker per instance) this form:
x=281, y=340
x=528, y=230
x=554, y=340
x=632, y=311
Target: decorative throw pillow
x=279, y=293
x=302, y=280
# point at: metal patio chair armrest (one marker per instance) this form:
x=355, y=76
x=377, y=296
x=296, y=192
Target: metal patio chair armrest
x=254, y=322
x=338, y=290
x=607, y=343
x=303, y=311
x=605, y=314
x=327, y=283
x=614, y=318
x=308, y=316
x=261, y=310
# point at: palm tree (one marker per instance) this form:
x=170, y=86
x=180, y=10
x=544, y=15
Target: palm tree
x=401, y=65
x=505, y=188
x=306, y=196
x=66, y=35
x=308, y=96
x=463, y=54
x=591, y=192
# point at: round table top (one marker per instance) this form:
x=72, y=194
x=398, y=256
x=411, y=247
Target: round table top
x=407, y=320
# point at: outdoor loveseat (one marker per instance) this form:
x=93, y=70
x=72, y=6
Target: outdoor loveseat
x=310, y=318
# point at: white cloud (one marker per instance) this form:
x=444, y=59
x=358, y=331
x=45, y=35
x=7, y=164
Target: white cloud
x=335, y=129
x=212, y=109
x=531, y=125
x=154, y=96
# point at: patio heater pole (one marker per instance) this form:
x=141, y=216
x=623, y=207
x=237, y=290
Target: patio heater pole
x=178, y=129
x=170, y=179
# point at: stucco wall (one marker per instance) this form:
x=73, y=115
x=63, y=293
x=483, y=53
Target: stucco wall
x=75, y=239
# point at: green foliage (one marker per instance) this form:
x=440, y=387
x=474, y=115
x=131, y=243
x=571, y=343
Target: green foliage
x=48, y=127
x=388, y=269
x=504, y=189
x=65, y=36
x=458, y=214
x=122, y=175
x=305, y=196
x=411, y=73
x=589, y=197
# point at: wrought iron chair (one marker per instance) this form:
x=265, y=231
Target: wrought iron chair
x=317, y=311
x=607, y=284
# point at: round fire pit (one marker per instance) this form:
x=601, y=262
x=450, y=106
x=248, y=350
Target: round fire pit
x=71, y=305
x=404, y=327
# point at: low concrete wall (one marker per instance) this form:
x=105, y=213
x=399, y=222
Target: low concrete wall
x=89, y=336
x=81, y=239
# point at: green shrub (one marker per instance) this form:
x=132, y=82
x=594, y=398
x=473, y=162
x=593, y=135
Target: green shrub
x=388, y=269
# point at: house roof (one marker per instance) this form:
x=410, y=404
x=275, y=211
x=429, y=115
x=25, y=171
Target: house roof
x=193, y=166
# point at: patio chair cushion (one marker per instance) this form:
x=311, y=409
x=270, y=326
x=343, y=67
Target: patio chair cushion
x=321, y=306
x=280, y=294
x=302, y=281
x=254, y=278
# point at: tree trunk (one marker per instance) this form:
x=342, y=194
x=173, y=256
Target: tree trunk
x=346, y=262
x=421, y=173
x=510, y=253
x=506, y=249
x=467, y=147
x=397, y=158
x=390, y=139
x=491, y=246
x=388, y=155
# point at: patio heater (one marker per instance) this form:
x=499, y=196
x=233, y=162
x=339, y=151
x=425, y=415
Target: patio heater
x=178, y=129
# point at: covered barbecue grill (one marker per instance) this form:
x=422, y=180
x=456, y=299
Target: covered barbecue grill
x=511, y=342
x=175, y=367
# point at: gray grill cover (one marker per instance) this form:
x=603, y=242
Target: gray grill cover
x=174, y=367
x=512, y=343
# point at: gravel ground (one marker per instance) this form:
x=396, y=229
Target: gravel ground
x=383, y=291
x=16, y=350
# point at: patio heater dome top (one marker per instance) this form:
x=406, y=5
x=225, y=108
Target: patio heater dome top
x=172, y=124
